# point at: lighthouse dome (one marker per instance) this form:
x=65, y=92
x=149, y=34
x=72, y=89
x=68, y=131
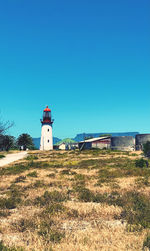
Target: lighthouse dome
x=47, y=109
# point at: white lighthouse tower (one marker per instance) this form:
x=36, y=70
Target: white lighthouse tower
x=46, y=131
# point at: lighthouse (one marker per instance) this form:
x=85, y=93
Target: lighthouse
x=46, y=131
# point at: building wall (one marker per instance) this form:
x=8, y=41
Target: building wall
x=46, y=138
x=85, y=145
x=95, y=144
x=123, y=143
x=101, y=144
x=62, y=146
x=141, y=139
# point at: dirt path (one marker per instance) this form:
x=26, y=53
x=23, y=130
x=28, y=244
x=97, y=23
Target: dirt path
x=12, y=157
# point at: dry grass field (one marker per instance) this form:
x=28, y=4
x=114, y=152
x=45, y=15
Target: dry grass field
x=75, y=201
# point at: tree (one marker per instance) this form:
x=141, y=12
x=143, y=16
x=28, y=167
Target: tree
x=146, y=149
x=5, y=126
x=25, y=141
x=7, y=142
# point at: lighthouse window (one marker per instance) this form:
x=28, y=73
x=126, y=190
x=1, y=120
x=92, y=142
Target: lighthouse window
x=48, y=130
x=48, y=140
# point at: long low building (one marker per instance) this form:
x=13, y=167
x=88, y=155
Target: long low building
x=100, y=142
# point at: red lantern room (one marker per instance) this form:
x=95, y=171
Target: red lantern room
x=47, y=116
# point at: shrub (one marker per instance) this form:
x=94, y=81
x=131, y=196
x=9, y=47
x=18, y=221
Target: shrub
x=48, y=230
x=24, y=224
x=32, y=174
x=54, y=208
x=20, y=179
x=4, y=248
x=136, y=209
x=51, y=175
x=13, y=200
x=146, y=242
x=141, y=163
x=9, y=203
x=4, y=213
x=56, y=236
x=85, y=195
x=13, y=170
x=39, y=183
x=49, y=197
x=2, y=156
x=144, y=181
x=31, y=157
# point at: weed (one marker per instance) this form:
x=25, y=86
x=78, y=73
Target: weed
x=20, y=179
x=56, y=236
x=48, y=229
x=50, y=197
x=133, y=154
x=4, y=248
x=31, y=157
x=146, y=243
x=32, y=174
x=4, y=213
x=79, y=186
x=136, y=209
x=85, y=195
x=49, y=234
x=67, y=172
x=51, y=175
x=9, y=203
x=13, y=200
x=24, y=224
x=79, y=177
x=144, y=181
x=38, y=183
x=54, y=208
x=13, y=170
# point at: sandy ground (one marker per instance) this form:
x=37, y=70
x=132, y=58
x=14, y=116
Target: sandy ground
x=12, y=157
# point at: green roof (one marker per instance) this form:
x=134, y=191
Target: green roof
x=67, y=140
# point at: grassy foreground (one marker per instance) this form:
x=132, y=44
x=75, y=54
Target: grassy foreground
x=72, y=201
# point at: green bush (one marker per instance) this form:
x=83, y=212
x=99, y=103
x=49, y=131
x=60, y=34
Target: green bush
x=20, y=179
x=24, y=224
x=4, y=248
x=49, y=231
x=2, y=156
x=31, y=157
x=146, y=242
x=13, y=200
x=49, y=197
x=56, y=236
x=141, y=163
x=32, y=174
x=85, y=195
x=136, y=209
x=54, y=208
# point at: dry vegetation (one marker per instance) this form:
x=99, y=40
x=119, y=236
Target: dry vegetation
x=72, y=201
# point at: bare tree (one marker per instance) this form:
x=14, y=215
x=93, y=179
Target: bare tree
x=4, y=126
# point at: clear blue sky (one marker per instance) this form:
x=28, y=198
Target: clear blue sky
x=88, y=60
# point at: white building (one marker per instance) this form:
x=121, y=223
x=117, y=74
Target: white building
x=46, y=131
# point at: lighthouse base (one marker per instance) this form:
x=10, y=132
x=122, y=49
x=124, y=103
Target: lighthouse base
x=46, y=143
